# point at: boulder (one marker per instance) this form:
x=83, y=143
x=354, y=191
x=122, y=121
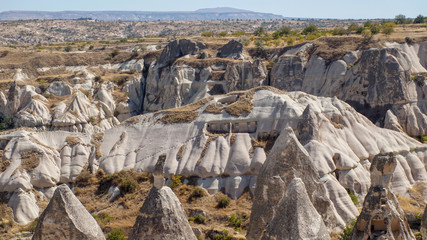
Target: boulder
x=296, y=217
x=233, y=49
x=162, y=217
x=178, y=48
x=381, y=216
x=66, y=218
x=59, y=88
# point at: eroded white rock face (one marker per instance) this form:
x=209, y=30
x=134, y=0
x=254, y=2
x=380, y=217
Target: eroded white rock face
x=65, y=216
x=224, y=151
x=24, y=206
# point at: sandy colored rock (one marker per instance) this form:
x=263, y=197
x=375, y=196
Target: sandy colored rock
x=66, y=218
x=381, y=216
x=161, y=217
x=296, y=217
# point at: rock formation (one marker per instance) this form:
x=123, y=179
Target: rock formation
x=275, y=193
x=296, y=217
x=161, y=216
x=381, y=216
x=66, y=218
x=374, y=81
x=179, y=48
x=232, y=49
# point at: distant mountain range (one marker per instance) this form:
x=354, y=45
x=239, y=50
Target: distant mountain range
x=201, y=14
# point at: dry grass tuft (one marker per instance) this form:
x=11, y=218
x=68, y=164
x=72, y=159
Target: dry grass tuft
x=213, y=108
x=96, y=140
x=409, y=205
x=71, y=140
x=187, y=113
x=30, y=160
x=180, y=152
x=7, y=225
x=4, y=165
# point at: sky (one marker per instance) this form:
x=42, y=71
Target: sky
x=343, y=9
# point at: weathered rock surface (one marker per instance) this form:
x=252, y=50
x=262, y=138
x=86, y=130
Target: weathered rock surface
x=161, y=217
x=373, y=81
x=178, y=48
x=66, y=218
x=232, y=49
x=287, y=161
x=296, y=217
x=58, y=88
x=381, y=216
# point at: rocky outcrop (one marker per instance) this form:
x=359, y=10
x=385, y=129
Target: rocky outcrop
x=66, y=218
x=232, y=49
x=58, y=88
x=287, y=161
x=161, y=217
x=381, y=216
x=181, y=84
x=296, y=217
x=178, y=48
x=373, y=81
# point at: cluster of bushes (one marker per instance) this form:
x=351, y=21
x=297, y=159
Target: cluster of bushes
x=401, y=19
x=371, y=28
x=6, y=123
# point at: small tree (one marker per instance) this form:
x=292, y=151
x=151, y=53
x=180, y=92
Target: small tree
x=419, y=19
x=367, y=34
x=68, y=48
x=206, y=34
x=400, y=19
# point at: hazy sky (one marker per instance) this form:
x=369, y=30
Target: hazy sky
x=287, y=8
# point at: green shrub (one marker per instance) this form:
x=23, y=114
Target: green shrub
x=102, y=218
x=388, y=28
x=235, y=221
x=176, y=181
x=345, y=235
x=259, y=31
x=68, y=48
x=222, y=34
x=206, y=34
x=353, y=197
x=31, y=227
x=353, y=27
x=310, y=29
x=128, y=185
x=339, y=31
x=198, y=192
x=6, y=123
x=199, y=219
x=116, y=234
x=224, y=202
x=419, y=19
x=224, y=235
x=238, y=33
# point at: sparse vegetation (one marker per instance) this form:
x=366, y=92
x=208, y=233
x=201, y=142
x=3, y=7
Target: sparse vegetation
x=197, y=193
x=83, y=178
x=353, y=197
x=199, y=219
x=176, y=181
x=235, y=221
x=346, y=233
x=116, y=234
x=224, y=202
x=6, y=123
